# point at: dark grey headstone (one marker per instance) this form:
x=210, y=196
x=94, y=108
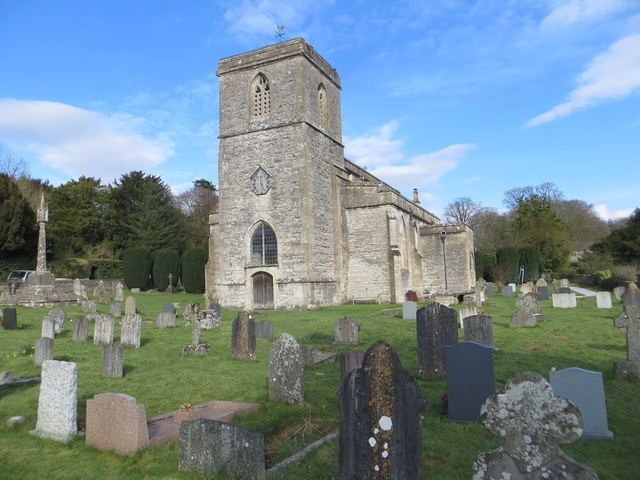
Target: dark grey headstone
x=264, y=330
x=533, y=423
x=286, y=371
x=470, y=380
x=586, y=390
x=380, y=416
x=507, y=291
x=436, y=327
x=165, y=319
x=543, y=292
x=89, y=306
x=9, y=318
x=112, y=360
x=43, y=350
x=80, y=329
x=243, y=337
x=349, y=361
x=211, y=447
x=490, y=289
x=168, y=307
x=479, y=328
x=564, y=290
x=116, y=309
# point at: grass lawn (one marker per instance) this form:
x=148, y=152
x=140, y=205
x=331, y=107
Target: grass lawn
x=158, y=376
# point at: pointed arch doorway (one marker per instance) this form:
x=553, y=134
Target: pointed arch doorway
x=262, y=291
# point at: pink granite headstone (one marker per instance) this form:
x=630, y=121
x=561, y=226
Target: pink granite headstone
x=116, y=422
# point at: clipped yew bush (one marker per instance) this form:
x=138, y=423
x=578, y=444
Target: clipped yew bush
x=193, y=264
x=136, y=267
x=165, y=262
x=508, y=258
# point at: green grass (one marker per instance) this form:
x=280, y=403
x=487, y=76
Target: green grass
x=162, y=379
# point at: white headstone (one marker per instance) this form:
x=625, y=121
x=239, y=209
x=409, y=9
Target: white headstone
x=603, y=300
x=57, y=405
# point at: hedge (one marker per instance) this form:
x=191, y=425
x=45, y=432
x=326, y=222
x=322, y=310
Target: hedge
x=193, y=263
x=136, y=267
x=165, y=261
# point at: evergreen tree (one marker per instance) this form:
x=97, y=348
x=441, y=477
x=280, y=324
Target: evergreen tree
x=17, y=220
x=623, y=243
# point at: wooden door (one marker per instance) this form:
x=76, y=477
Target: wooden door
x=263, y=291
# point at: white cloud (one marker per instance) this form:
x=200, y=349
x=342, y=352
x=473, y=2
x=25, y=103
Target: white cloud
x=610, y=75
x=470, y=180
x=81, y=142
x=603, y=212
x=568, y=12
x=384, y=157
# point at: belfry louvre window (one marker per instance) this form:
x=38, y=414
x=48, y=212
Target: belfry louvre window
x=264, y=246
x=323, y=107
x=261, y=96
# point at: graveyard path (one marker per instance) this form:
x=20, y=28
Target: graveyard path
x=583, y=291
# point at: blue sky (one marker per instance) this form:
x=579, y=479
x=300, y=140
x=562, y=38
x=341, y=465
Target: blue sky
x=457, y=98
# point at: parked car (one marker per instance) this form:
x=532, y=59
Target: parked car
x=19, y=276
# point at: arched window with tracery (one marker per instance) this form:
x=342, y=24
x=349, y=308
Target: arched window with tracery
x=261, y=96
x=264, y=246
x=323, y=106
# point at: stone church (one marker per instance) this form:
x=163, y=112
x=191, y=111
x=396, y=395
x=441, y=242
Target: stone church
x=298, y=224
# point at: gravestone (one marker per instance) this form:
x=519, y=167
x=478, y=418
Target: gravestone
x=168, y=307
x=631, y=295
x=564, y=300
x=116, y=422
x=564, y=290
x=603, y=300
x=48, y=329
x=526, y=288
x=534, y=423
x=165, y=319
x=411, y=296
x=130, y=306
x=59, y=317
x=80, y=329
x=470, y=380
x=264, y=330
x=211, y=447
x=103, y=329
x=513, y=287
x=190, y=311
x=541, y=282
x=78, y=289
x=286, y=371
x=436, y=327
x=467, y=311
x=112, y=360
x=409, y=309
x=101, y=293
x=528, y=313
x=43, y=351
x=89, y=306
x=346, y=331
x=586, y=390
x=115, y=309
x=349, y=361
x=563, y=283
x=469, y=300
x=131, y=331
x=480, y=290
x=196, y=331
x=118, y=292
x=57, y=404
x=243, y=337
x=629, y=323
x=210, y=319
x=9, y=318
x=507, y=291
x=445, y=299
x=380, y=416
x=479, y=328
x=490, y=289
x=543, y=292
x=618, y=292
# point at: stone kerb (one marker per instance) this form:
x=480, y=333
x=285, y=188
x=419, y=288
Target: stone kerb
x=533, y=423
x=116, y=422
x=380, y=409
x=57, y=404
x=286, y=371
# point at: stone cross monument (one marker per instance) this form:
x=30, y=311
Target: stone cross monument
x=42, y=277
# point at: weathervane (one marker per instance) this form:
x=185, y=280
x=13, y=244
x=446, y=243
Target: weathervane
x=280, y=33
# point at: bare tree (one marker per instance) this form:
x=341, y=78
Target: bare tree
x=11, y=165
x=547, y=190
x=197, y=203
x=462, y=210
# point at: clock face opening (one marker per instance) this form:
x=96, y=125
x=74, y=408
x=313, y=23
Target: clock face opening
x=261, y=181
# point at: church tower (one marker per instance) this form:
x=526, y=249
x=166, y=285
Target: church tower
x=276, y=241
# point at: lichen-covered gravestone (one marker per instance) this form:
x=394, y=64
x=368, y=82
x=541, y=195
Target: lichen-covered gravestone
x=436, y=327
x=286, y=371
x=130, y=306
x=243, y=337
x=131, y=331
x=380, y=415
x=528, y=313
x=80, y=329
x=479, y=328
x=59, y=317
x=629, y=323
x=165, y=319
x=346, y=331
x=211, y=447
x=103, y=329
x=534, y=423
x=467, y=311
x=43, y=351
x=58, y=401
x=112, y=360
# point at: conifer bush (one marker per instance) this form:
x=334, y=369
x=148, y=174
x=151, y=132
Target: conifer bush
x=136, y=267
x=530, y=260
x=509, y=259
x=193, y=263
x=165, y=261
